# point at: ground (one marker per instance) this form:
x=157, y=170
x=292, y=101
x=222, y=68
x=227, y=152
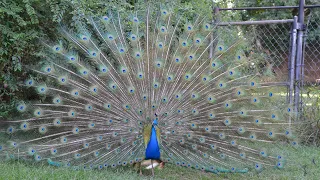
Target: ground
x=304, y=164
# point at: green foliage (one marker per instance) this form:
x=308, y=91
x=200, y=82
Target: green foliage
x=266, y=13
x=24, y=25
x=19, y=24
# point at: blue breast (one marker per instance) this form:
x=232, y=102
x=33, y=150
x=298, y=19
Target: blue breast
x=153, y=150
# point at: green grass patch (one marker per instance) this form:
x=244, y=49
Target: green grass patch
x=304, y=163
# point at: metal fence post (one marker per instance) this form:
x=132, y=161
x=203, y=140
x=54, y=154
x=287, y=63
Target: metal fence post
x=215, y=12
x=292, y=60
x=299, y=57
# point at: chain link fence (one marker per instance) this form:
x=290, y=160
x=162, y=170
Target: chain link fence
x=311, y=71
x=269, y=46
x=310, y=94
x=271, y=42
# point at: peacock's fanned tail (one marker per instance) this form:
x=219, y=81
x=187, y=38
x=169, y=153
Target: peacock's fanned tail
x=107, y=83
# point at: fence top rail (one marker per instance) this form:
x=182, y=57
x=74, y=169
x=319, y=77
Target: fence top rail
x=267, y=7
x=255, y=22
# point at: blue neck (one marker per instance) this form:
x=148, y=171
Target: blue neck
x=153, y=150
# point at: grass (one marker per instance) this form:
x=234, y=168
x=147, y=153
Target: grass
x=304, y=163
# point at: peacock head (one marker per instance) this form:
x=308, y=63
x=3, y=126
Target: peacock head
x=155, y=122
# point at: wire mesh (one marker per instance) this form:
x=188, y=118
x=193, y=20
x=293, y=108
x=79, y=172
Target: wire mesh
x=312, y=48
x=310, y=94
x=267, y=47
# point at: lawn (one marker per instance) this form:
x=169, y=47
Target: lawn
x=304, y=163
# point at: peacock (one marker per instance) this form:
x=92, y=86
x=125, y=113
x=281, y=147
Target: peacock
x=153, y=85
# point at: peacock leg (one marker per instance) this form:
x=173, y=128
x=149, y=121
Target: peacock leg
x=152, y=168
x=140, y=170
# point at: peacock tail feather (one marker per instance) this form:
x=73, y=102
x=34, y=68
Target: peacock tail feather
x=106, y=83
